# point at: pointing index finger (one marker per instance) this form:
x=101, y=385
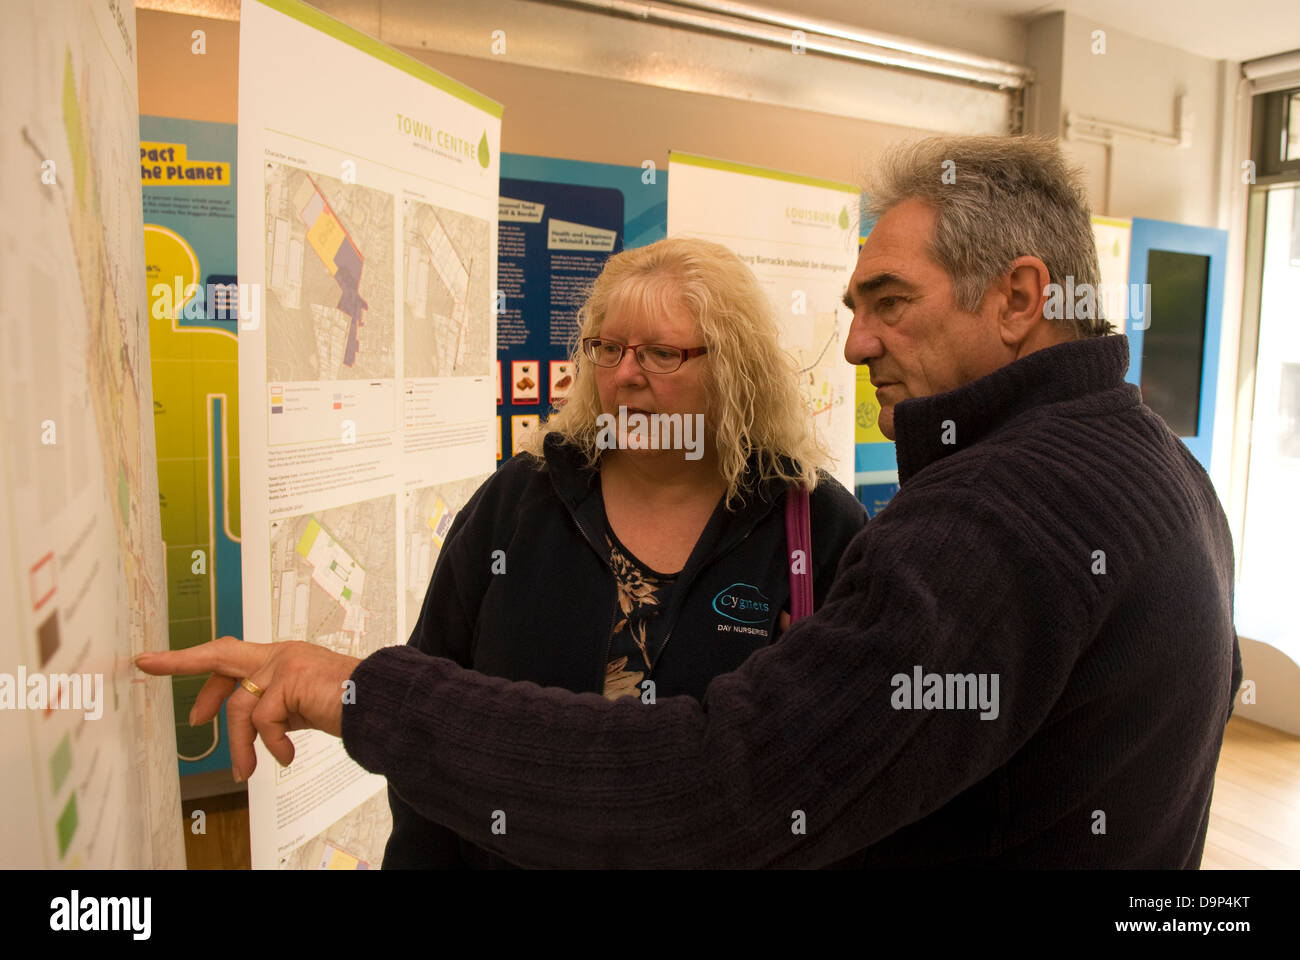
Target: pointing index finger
x=225, y=655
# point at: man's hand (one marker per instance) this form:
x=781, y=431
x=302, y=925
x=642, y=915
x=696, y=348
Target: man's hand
x=302, y=684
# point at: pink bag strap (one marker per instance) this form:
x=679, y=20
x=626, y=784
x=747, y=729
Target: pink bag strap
x=798, y=536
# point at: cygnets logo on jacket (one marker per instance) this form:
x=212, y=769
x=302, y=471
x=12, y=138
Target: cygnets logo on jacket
x=743, y=603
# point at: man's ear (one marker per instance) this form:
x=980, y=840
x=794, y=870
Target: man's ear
x=1025, y=295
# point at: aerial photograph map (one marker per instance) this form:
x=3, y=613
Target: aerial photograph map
x=329, y=265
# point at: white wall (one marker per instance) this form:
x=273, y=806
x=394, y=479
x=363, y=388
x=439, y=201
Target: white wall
x=1135, y=83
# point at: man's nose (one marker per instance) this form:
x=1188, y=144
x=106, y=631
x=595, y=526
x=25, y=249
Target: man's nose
x=861, y=346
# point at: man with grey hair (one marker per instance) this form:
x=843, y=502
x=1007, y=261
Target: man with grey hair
x=1026, y=660
x=972, y=224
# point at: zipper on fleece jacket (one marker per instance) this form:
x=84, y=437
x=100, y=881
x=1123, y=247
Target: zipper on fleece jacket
x=613, y=612
x=721, y=549
x=681, y=588
x=679, y=591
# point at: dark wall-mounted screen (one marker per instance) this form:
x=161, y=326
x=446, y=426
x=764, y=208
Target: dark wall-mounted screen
x=1173, y=347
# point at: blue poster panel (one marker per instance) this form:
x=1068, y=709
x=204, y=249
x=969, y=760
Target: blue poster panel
x=560, y=221
x=188, y=180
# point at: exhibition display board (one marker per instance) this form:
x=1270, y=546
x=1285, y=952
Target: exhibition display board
x=560, y=220
x=87, y=748
x=554, y=239
x=798, y=236
x=188, y=175
x=367, y=259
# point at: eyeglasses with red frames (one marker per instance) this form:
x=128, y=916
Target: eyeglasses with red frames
x=653, y=357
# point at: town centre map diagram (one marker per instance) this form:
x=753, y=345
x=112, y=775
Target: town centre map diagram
x=445, y=325
x=82, y=581
x=329, y=266
x=334, y=577
x=428, y=515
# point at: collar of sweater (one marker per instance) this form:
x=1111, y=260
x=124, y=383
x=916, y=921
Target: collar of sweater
x=930, y=428
x=574, y=480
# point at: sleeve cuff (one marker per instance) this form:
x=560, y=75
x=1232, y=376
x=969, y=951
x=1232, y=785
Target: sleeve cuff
x=372, y=725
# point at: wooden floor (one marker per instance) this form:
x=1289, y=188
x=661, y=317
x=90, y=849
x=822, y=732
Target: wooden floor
x=224, y=843
x=1255, y=815
x=1254, y=819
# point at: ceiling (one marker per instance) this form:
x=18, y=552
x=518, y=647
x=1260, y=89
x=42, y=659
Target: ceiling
x=1217, y=29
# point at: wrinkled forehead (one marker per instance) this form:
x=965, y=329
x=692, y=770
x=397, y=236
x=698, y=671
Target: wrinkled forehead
x=900, y=245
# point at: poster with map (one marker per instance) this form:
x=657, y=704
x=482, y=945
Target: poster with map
x=330, y=258
x=87, y=746
x=799, y=236
x=428, y=515
x=446, y=292
x=367, y=250
x=334, y=577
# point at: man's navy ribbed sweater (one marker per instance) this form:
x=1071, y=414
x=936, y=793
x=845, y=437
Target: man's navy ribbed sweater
x=1051, y=536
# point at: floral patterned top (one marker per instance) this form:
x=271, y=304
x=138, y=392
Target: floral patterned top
x=638, y=634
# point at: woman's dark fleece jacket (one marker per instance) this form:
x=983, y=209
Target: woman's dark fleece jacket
x=1064, y=540
x=543, y=608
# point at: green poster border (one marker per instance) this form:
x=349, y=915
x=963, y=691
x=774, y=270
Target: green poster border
x=696, y=160
x=382, y=51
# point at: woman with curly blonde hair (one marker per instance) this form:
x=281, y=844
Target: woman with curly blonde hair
x=751, y=389
x=626, y=560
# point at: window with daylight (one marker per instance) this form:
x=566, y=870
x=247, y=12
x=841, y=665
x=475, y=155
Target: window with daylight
x=1270, y=562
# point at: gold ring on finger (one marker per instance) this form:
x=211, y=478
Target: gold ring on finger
x=251, y=687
